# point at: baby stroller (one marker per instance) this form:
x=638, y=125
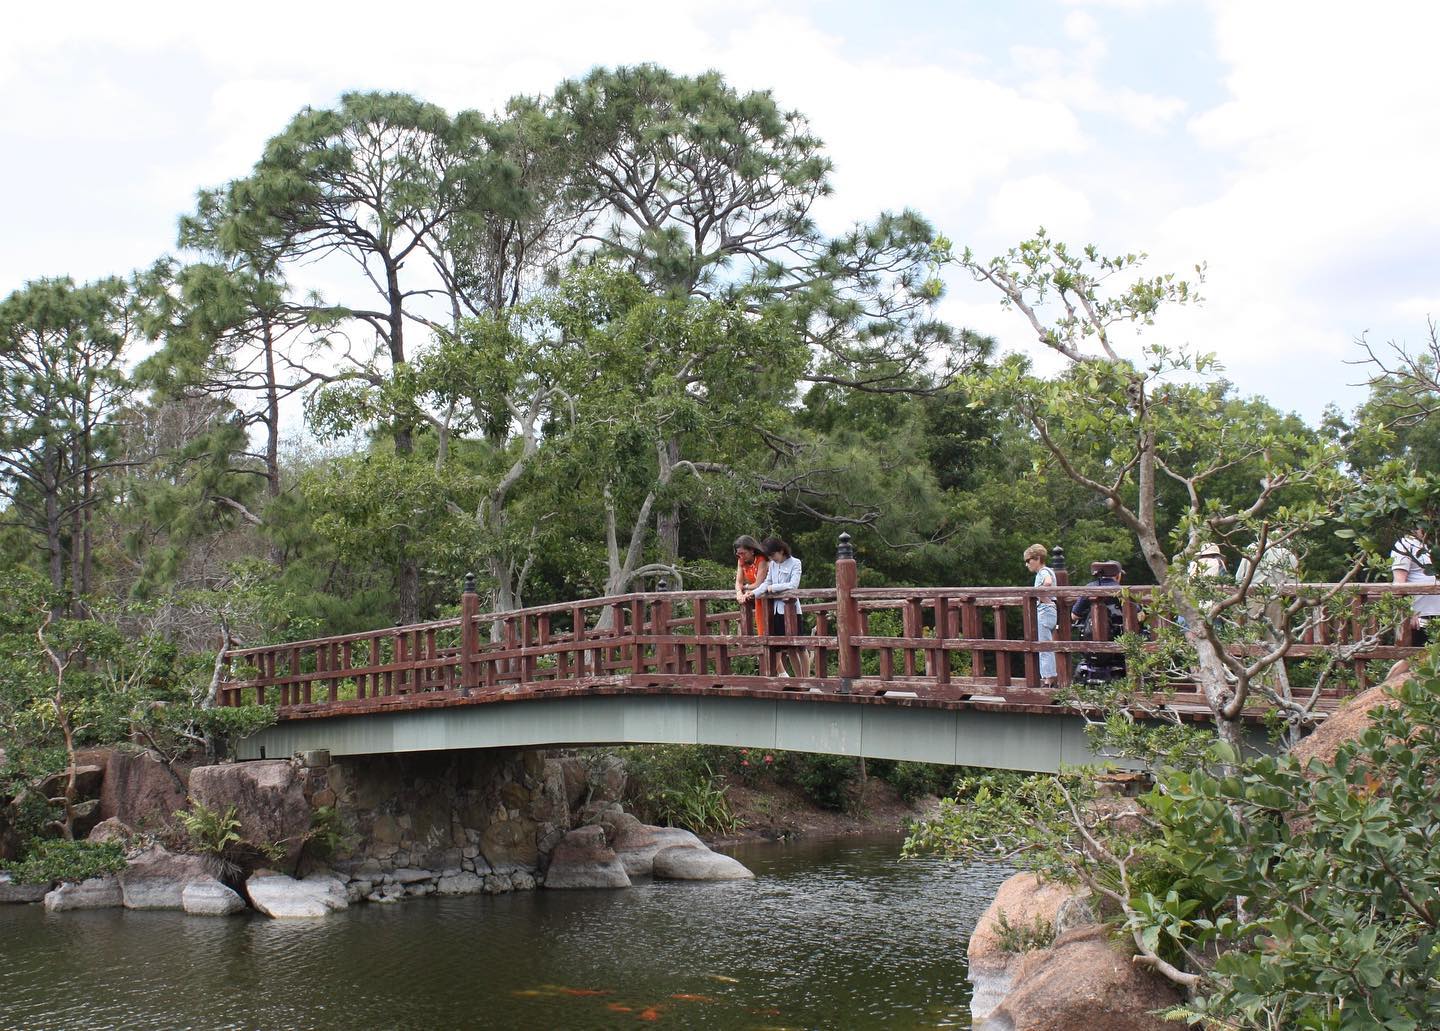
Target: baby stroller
x=1099, y=667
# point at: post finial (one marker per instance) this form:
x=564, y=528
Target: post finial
x=846, y=549
x=1057, y=558
x=469, y=583
x=662, y=584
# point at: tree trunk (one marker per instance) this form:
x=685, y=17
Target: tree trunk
x=407, y=577
x=76, y=560
x=667, y=521
x=55, y=548
x=87, y=543
x=272, y=415
x=274, y=551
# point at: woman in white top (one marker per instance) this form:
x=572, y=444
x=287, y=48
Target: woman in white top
x=781, y=575
x=1046, y=616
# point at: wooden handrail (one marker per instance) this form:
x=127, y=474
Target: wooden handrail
x=937, y=642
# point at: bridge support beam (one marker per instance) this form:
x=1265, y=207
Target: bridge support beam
x=974, y=735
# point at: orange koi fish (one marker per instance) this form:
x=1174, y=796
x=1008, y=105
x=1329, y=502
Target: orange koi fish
x=650, y=1013
x=685, y=997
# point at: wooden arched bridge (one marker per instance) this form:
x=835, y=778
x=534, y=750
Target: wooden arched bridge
x=934, y=674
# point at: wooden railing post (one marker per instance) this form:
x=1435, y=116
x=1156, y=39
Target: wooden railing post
x=847, y=613
x=469, y=636
x=667, y=655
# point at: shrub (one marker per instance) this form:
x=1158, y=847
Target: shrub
x=327, y=833
x=700, y=806
x=677, y=785
x=825, y=779
x=1039, y=934
x=210, y=832
x=916, y=780
x=55, y=859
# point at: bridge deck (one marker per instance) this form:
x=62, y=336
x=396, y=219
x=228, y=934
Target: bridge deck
x=966, y=655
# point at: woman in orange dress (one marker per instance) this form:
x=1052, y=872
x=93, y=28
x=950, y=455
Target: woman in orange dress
x=750, y=565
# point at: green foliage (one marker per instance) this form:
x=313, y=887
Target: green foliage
x=62, y=388
x=1297, y=897
x=235, y=723
x=676, y=785
x=1340, y=927
x=210, y=832
x=1018, y=938
x=328, y=833
x=916, y=780
x=825, y=779
x=1006, y=816
x=700, y=805
x=50, y=860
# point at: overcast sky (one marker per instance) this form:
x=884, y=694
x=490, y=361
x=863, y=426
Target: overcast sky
x=1291, y=146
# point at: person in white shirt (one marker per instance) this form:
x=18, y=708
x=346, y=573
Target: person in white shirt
x=1208, y=563
x=781, y=576
x=1410, y=564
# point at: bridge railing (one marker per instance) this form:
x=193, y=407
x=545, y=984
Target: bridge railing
x=932, y=642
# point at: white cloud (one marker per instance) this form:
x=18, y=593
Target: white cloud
x=1019, y=206
x=1328, y=142
x=1306, y=187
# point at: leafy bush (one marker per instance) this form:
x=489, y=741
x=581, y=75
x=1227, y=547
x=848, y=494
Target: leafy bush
x=1278, y=896
x=210, y=833
x=825, y=779
x=700, y=806
x=55, y=859
x=230, y=724
x=1337, y=864
x=327, y=833
x=1040, y=934
x=677, y=785
x=916, y=780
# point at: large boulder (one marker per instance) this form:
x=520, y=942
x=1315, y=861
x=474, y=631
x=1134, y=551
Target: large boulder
x=285, y=898
x=210, y=898
x=268, y=797
x=576, y=780
x=1345, y=724
x=156, y=879
x=96, y=893
x=141, y=791
x=1082, y=981
x=687, y=863
x=608, y=780
x=510, y=843
x=88, y=779
x=583, y=860
x=462, y=883
x=1023, y=899
x=637, y=850
x=110, y=830
x=12, y=891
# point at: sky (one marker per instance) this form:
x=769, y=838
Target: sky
x=1289, y=146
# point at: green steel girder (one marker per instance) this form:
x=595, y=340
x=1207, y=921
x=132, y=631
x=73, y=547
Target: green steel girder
x=975, y=736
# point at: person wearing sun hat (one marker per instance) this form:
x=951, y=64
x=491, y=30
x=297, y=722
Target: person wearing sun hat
x=1209, y=562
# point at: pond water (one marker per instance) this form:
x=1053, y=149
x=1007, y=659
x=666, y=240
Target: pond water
x=837, y=934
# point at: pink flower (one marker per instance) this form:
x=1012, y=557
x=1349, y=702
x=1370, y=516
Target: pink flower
x=744, y=762
x=769, y=758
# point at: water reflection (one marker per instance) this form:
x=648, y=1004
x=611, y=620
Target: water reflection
x=829, y=935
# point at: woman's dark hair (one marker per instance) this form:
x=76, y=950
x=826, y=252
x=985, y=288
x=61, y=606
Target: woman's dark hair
x=774, y=544
x=746, y=541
